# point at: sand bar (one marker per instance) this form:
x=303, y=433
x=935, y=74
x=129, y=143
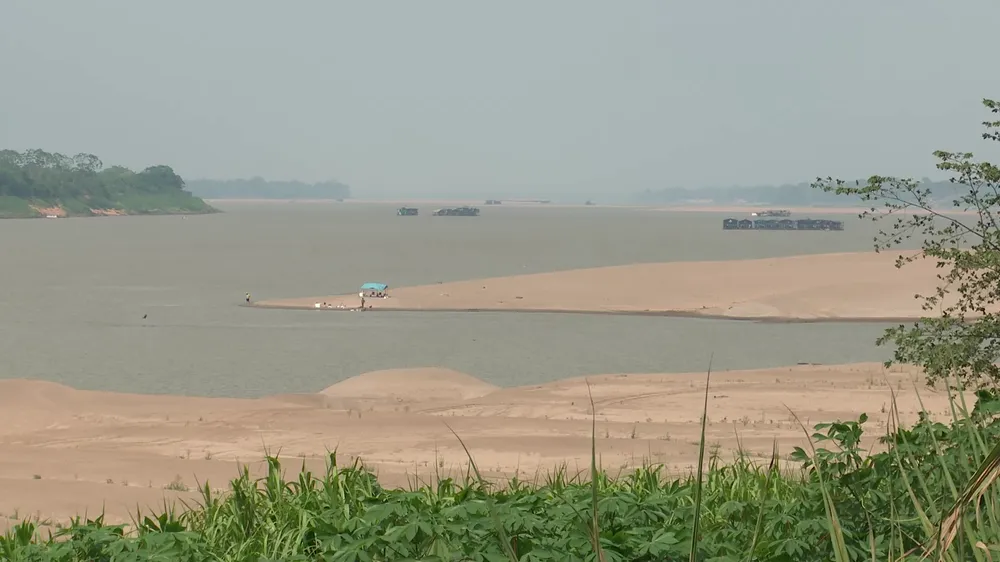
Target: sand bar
x=67, y=451
x=822, y=287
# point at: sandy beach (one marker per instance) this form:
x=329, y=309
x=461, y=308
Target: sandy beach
x=71, y=451
x=844, y=286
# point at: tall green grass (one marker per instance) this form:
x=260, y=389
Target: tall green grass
x=929, y=495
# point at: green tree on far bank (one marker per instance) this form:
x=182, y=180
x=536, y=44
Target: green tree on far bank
x=959, y=223
x=79, y=184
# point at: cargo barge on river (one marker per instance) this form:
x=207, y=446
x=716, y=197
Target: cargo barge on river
x=407, y=211
x=772, y=213
x=457, y=212
x=782, y=224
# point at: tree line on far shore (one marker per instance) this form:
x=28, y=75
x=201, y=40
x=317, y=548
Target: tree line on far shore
x=80, y=184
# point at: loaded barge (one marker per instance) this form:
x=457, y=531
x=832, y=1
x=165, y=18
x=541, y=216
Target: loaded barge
x=457, y=212
x=772, y=213
x=407, y=211
x=782, y=224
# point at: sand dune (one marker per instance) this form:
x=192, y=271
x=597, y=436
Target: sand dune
x=68, y=450
x=411, y=385
x=843, y=286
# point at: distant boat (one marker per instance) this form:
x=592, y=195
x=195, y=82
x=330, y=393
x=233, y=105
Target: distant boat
x=457, y=212
x=51, y=216
x=772, y=213
x=782, y=224
x=407, y=212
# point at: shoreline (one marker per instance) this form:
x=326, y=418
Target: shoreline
x=415, y=202
x=693, y=315
x=804, y=212
x=109, y=213
x=522, y=204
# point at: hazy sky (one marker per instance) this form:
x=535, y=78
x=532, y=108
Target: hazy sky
x=435, y=97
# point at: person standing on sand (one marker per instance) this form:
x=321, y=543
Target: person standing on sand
x=248, y=298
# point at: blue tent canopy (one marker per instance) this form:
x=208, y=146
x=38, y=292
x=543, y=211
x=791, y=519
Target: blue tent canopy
x=374, y=287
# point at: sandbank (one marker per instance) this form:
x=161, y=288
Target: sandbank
x=862, y=286
x=69, y=451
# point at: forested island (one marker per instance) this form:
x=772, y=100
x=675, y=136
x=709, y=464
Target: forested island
x=260, y=188
x=35, y=183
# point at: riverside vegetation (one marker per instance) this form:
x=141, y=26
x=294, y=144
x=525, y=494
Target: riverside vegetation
x=927, y=494
x=35, y=183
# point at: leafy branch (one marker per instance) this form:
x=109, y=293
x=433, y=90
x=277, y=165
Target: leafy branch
x=962, y=340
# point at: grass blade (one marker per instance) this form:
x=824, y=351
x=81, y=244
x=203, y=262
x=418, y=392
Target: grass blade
x=696, y=526
x=765, y=494
x=504, y=537
x=595, y=529
x=833, y=522
x=986, y=475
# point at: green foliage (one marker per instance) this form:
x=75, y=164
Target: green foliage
x=259, y=188
x=960, y=338
x=80, y=183
x=839, y=504
x=15, y=207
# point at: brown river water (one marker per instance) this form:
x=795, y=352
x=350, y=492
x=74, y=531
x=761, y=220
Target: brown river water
x=73, y=293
